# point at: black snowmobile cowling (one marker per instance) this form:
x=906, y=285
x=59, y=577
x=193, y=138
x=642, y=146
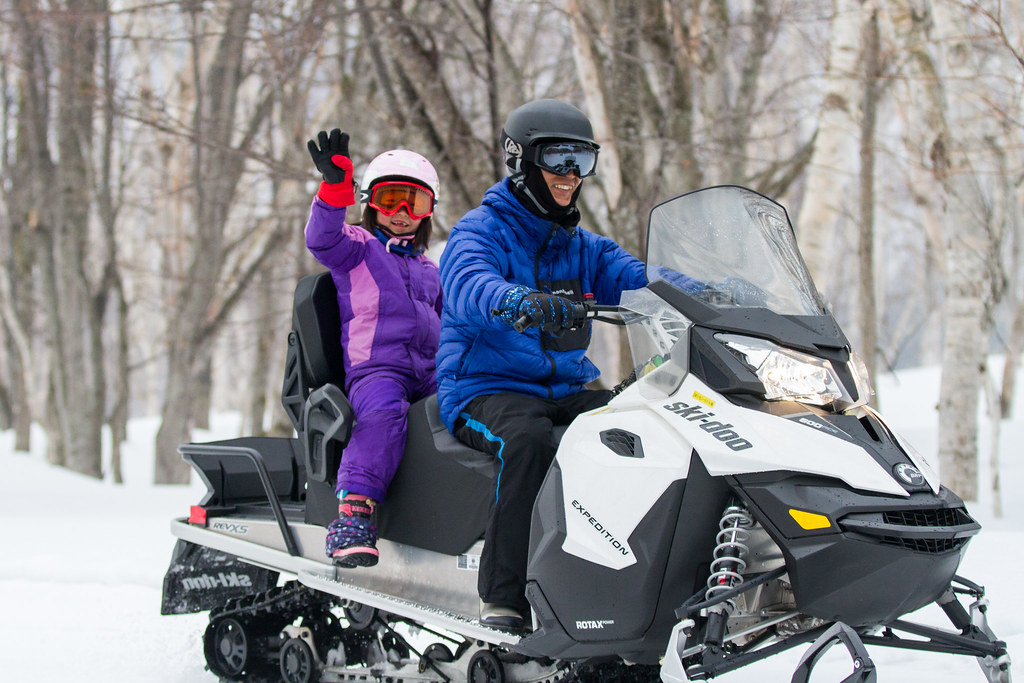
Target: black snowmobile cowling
x=737, y=497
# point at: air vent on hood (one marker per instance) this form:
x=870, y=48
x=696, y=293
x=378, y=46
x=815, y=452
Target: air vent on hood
x=621, y=442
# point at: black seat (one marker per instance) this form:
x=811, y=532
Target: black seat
x=443, y=489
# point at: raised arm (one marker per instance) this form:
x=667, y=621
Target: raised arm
x=333, y=243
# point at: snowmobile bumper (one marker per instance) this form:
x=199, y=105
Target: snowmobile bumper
x=885, y=556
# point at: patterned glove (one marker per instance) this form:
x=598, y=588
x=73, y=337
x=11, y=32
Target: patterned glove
x=522, y=308
x=331, y=158
x=508, y=311
x=552, y=314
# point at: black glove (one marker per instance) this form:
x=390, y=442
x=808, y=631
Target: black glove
x=551, y=313
x=323, y=156
x=332, y=160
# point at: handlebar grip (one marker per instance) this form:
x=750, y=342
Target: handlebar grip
x=579, y=315
x=579, y=318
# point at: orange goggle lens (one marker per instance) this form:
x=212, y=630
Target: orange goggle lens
x=389, y=197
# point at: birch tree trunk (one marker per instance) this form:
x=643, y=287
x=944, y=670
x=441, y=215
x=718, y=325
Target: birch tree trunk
x=963, y=362
x=217, y=267
x=620, y=129
x=1014, y=217
x=216, y=168
x=1012, y=363
x=30, y=161
x=639, y=66
x=941, y=80
x=829, y=176
x=974, y=235
x=67, y=274
x=625, y=79
x=16, y=305
x=14, y=404
x=259, y=378
x=111, y=287
x=868, y=280
x=202, y=389
x=995, y=445
x=433, y=117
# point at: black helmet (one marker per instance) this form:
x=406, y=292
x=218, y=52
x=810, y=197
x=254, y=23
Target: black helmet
x=545, y=121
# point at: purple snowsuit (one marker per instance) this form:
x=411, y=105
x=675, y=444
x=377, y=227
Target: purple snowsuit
x=390, y=304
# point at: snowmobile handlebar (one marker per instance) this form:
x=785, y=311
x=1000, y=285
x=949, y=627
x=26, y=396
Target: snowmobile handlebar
x=582, y=311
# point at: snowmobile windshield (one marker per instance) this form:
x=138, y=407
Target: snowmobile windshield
x=731, y=247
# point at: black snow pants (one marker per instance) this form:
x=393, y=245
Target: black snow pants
x=518, y=430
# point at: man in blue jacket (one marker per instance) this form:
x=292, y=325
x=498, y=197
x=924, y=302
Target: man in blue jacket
x=521, y=255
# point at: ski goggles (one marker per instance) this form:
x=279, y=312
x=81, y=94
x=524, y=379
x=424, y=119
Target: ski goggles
x=562, y=158
x=390, y=196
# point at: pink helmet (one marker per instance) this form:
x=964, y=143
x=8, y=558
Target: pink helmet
x=400, y=163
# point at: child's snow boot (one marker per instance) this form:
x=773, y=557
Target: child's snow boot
x=352, y=538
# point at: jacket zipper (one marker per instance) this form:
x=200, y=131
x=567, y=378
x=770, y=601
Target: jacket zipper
x=536, y=282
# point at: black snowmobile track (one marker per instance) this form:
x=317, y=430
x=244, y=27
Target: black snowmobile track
x=284, y=604
x=289, y=601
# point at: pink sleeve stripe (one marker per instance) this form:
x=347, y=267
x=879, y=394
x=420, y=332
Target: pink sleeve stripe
x=366, y=311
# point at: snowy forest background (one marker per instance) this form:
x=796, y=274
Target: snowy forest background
x=155, y=181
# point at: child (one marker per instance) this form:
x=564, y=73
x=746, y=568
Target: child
x=389, y=294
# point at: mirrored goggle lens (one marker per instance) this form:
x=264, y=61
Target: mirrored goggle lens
x=564, y=158
x=388, y=198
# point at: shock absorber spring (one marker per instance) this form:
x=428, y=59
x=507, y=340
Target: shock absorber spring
x=730, y=550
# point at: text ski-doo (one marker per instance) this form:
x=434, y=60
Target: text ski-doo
x=736, y=498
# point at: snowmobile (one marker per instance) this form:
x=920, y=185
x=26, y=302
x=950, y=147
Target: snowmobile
x=736, y=498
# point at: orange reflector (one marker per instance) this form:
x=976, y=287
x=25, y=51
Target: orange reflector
x=810, y=520
x=197, y=515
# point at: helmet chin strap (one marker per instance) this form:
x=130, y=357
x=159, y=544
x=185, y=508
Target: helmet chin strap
x=396, y=237
x=519, y=178
x=397, y=243
x=568, y=216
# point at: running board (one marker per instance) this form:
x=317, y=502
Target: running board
x=331, y=581
x=322, y=576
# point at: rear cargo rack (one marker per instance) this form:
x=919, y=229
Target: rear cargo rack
x=190, y=450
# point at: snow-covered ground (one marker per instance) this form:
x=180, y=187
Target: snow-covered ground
x=82, y=564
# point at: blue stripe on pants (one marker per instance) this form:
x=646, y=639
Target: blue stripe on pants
x=477, y=426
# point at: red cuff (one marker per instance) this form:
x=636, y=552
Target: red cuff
x=338, y=194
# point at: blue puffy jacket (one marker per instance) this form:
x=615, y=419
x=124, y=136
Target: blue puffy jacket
x=494, y=247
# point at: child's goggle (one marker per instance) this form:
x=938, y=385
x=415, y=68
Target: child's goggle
x=562, y=158
x=388, y=197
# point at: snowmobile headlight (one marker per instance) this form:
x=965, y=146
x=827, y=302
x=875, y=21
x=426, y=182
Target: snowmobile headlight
x=789, y=375
x=861, y=378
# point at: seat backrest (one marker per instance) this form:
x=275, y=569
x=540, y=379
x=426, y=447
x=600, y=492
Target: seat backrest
x=314, y=356
x=317, y=323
